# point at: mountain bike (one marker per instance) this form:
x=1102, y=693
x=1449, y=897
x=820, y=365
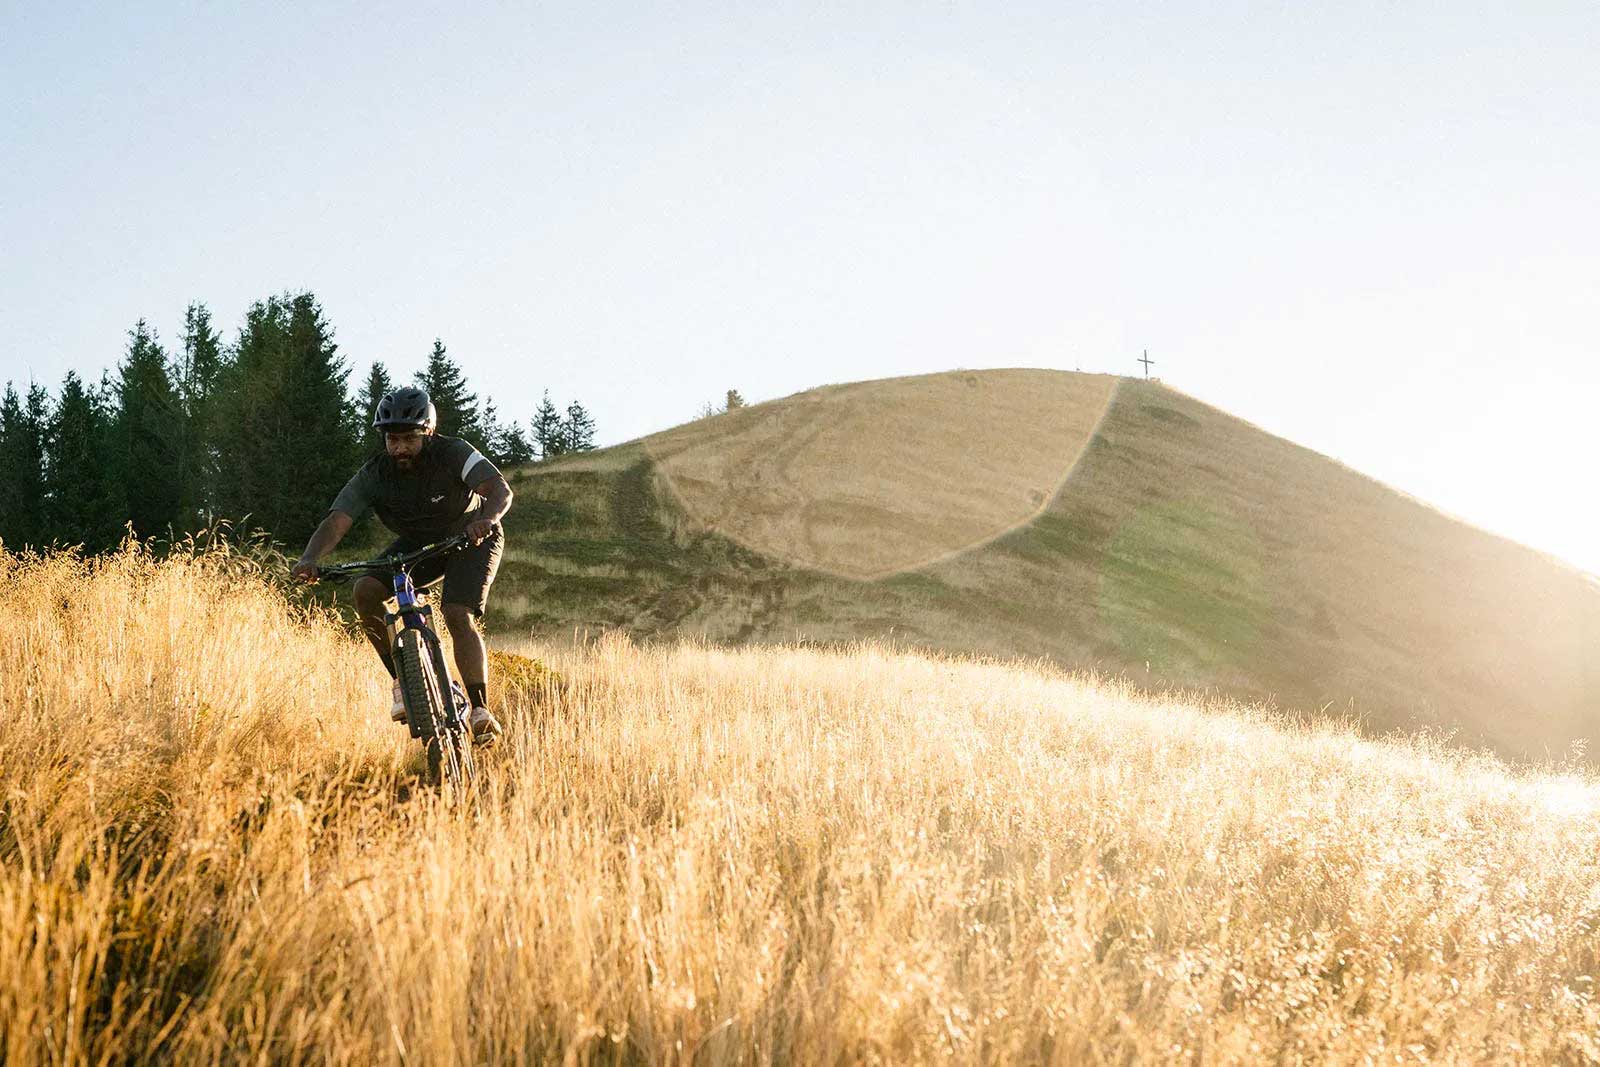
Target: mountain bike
x=436, y=704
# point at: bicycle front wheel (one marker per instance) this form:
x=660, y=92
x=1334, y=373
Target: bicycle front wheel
x=428, y=712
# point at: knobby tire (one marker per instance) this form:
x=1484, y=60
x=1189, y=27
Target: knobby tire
x=429, y=710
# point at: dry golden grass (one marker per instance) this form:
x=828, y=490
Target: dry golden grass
x=214, y=849
x=872, y=478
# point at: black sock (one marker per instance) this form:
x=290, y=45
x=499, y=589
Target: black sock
x=478, y=693
x=388, y=663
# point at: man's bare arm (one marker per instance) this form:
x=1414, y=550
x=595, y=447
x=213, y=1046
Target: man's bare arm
x=496, y=493
x=327, y=537
x=496, y=502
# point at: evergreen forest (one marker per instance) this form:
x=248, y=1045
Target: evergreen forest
x=256, y=434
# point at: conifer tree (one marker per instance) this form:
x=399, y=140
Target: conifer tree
x=319, y=395
x=23, y=425
x=378, y=386
x=447, y=388
x=548, y=432
x=197, y=372
x=251, y=457
x=14, y=532
x=285, y=401
x=79, y=507
x=577, y=429
x=489, y=432
x=146, y=437
x=504, y=443
x=36, y=412
x=514, y=447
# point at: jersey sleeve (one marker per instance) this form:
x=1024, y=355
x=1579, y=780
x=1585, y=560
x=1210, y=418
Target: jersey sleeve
x=472, y=466
x=355, y=499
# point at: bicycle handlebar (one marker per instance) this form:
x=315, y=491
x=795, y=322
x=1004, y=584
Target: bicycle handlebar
x=390, y=564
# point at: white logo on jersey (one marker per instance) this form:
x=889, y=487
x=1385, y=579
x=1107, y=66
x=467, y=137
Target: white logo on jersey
x=438, y=498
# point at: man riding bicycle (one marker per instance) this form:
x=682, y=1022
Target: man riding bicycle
x=424, y=488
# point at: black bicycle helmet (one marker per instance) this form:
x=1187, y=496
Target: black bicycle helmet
x=405, y=408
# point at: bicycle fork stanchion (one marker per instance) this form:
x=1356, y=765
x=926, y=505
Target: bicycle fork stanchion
x=414, y=617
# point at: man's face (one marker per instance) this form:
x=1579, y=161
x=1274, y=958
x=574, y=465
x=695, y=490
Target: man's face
x=404, y=446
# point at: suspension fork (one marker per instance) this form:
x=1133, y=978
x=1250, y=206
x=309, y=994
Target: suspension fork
x=410, y=614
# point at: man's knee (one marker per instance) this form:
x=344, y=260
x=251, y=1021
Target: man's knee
x=460, y=619
x=369, y=595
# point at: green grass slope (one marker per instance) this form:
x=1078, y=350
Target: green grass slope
x=1184, y=548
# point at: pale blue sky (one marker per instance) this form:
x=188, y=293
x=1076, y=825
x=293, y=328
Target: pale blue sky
x=1370, y=228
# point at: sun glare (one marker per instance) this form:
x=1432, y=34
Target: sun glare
x=1566, y=795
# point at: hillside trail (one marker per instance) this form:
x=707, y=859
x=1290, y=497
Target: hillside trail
x=637, y=510
x=868, y=480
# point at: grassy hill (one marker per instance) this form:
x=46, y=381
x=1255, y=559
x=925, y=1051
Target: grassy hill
x=1093, y=522
x=214, y=848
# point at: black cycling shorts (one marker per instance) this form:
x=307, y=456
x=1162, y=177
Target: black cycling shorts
x=467, y=574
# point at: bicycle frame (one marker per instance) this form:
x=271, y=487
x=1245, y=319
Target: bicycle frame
x=412, y=612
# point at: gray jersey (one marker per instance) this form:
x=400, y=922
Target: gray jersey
x=434, y=499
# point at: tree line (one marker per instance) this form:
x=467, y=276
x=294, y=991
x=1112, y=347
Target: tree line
x=262, y=431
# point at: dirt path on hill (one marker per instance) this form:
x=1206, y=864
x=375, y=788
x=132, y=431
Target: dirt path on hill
x=867, y=480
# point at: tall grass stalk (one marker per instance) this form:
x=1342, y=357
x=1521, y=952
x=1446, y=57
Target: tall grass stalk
x=215, y=848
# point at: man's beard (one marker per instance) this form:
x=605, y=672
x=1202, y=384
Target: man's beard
x=405, y=463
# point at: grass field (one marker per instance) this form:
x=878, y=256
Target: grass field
x=214, y=848
x=872, y=479
x=1134, y=532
